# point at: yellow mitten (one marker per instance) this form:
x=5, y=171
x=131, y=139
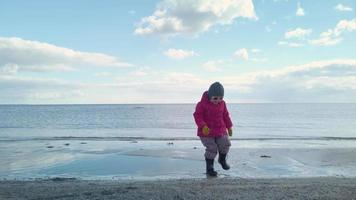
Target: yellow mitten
x=205, y=130
x=230, y=131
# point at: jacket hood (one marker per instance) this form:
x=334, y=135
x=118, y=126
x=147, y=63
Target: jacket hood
x=205, y=97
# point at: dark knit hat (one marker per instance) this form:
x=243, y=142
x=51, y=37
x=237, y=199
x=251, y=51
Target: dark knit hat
x=216, y=89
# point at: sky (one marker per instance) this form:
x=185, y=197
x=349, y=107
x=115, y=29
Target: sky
x=170, y=51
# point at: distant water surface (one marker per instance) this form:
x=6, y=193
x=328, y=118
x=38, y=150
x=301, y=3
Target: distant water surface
x=159, y=141
x=174, y=121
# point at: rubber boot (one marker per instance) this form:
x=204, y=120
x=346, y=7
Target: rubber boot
x=210, y=167
x=222, y=161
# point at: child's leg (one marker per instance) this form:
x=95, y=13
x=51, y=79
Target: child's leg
x=211, y=148
x=223, y=144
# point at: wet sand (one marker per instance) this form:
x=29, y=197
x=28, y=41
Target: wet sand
x=113, y=160
x=162, y=170
x=212, y=188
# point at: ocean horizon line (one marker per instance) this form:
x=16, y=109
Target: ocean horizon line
x=192, y=103
x=138, y=138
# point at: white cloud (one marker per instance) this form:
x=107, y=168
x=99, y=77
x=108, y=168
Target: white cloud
x=19, y=89
x=139, y=73
x=49, y=96
x=179, y=53
x=143, y=71
x=298, y=33
x=318, y=68
x=341, y=7
x=300, y=11
x=295, y=37
x=36, y=56
x=155, y=24
x=255, y=50
x=9, y=69
x=345, y=25
x=333, y=36
x=191, y=17
x=242, y=53
x=103, y=74
x=259, y=59
x=268, y=29
x=321, y=81
x=213, y=65
x=290, y=44
x=325, y=41
x=185, y=79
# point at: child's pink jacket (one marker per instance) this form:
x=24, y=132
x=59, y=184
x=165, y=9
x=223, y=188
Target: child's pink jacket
x=216, y=117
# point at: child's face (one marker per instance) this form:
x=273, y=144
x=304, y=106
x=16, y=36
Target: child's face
x=216, y=99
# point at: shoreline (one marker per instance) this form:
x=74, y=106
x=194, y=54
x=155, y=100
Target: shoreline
x=159, y=138
x=205, y=188
x=152, y=160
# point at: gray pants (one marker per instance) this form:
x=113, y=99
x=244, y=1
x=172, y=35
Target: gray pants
x=215, y=144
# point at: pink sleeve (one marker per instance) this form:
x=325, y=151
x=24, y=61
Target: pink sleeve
x=198, y=115
x=227, y=119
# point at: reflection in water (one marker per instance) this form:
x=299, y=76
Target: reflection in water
x=182, y=159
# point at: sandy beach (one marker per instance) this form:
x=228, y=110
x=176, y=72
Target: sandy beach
x=153, y=160
x=315, y=169
x=167, y=164
x=212, y=188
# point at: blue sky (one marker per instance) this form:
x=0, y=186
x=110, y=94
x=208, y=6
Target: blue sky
x=170, y=51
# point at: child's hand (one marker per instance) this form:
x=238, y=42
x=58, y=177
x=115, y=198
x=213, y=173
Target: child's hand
x=205, y=130
x=230, y=131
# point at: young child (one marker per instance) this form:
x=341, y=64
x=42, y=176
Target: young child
x=214, y=123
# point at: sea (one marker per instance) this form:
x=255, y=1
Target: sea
x=159, y=141
x=174, y=121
